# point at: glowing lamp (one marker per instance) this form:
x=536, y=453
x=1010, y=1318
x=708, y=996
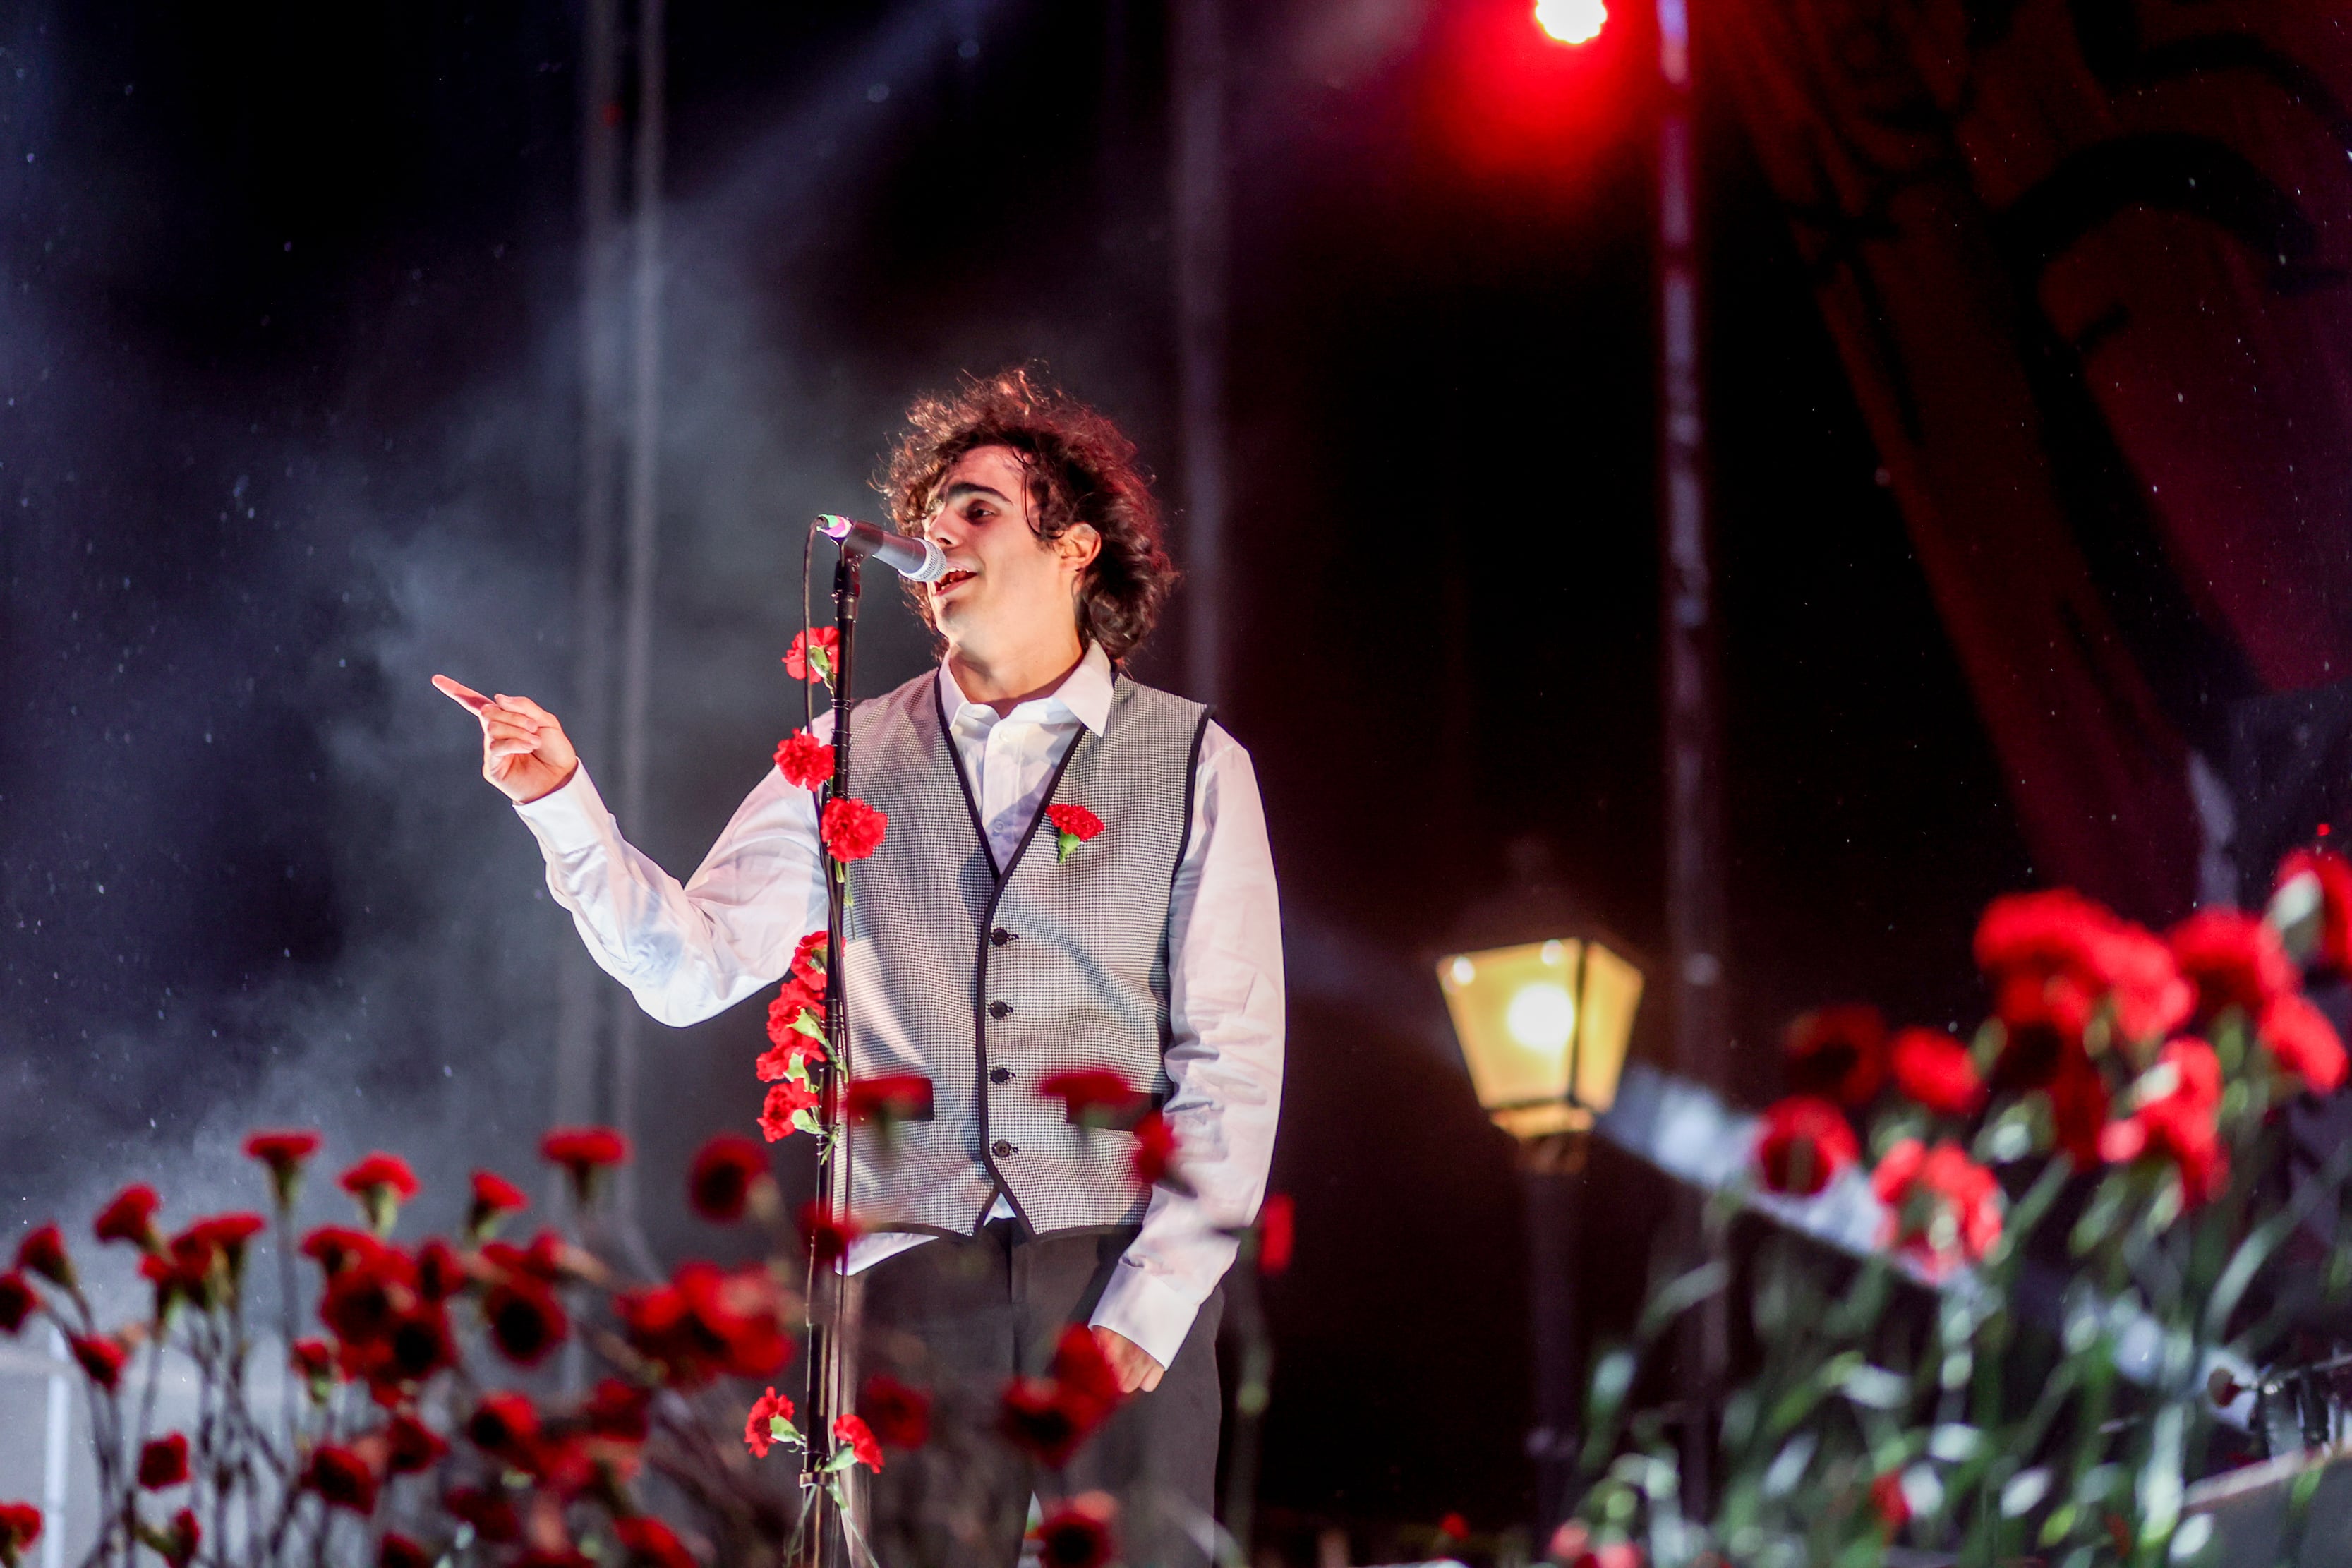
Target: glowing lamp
x=1571, y=21
x=1544, y=1028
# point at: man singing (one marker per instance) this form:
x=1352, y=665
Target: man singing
x=978, y=959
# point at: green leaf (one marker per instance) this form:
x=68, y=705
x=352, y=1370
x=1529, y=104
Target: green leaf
x=1681, y=1295
x=804, y=1120
x=783, y=1431
x=808, y=1025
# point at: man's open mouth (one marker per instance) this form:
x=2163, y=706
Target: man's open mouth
x=950, y=579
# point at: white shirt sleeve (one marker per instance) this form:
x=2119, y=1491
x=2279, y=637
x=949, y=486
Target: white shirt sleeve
x=1225, y=1011
x=687, y=951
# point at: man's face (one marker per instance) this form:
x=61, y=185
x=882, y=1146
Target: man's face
x=1003, y=584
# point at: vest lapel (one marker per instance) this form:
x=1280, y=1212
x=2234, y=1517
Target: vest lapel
x=970, y=804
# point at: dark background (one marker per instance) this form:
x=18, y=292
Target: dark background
x=288, y=344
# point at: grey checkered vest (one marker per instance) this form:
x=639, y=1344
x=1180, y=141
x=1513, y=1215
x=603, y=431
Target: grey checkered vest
x=986, y=980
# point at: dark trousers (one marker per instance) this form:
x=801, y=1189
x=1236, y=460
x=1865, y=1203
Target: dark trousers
x=962, y=1318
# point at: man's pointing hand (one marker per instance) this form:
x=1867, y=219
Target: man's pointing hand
x=524, y=750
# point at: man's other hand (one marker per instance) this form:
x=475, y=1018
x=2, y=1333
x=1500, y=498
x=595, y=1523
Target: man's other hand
x=1136, y=1370
x=524, y=750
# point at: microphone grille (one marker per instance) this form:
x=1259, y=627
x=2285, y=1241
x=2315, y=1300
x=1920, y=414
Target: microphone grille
x=934, y=566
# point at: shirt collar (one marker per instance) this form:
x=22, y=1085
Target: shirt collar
x=1085, y=695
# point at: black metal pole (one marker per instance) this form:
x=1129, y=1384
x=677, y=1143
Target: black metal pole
x=828, y=1291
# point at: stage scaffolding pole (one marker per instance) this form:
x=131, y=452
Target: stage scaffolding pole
x=1201, y=235
x=1696, y=863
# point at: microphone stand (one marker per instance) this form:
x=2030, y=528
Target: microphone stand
x=829, y=1329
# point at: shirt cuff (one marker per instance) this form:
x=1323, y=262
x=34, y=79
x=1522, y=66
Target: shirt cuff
x=570, y=817
x=1140, y=1307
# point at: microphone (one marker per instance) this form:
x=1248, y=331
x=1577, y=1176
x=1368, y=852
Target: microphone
x=916, y=560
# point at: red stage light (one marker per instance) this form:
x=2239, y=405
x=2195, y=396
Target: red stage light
x=1571, y=21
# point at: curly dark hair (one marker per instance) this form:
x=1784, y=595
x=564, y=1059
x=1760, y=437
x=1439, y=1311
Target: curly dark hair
x=1080, y=468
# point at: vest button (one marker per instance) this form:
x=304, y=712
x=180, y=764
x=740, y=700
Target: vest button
x=1000, y=1149
x=999, y=1075
x=1000, y=1009
x=999, y=936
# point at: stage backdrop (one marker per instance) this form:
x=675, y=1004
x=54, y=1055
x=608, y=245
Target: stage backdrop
x=2086, y=264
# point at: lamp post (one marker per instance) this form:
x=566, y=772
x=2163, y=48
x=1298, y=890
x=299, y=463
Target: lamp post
x=1544, y=1028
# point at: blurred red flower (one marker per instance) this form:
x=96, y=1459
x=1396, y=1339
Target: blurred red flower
x=505, y=1426
x=130, y=1217
x=1889, y=1501
x=2233, y=960
x=803, y=760
x=2304, y=1043
x=283, y=1153
x=491, y=1514
x=1278, y=1232
x=617, y=1410
x=17, y=1301
x=335, y=1248
x=381, y=1170
x=1803, y=1144
x=851, y=830
x=890, y=1097
x=177, y=1542
x=784, y=1102
x=650, y=1543
x=1078, y=1533
x=1155, y=1151
x=20, y=1526
x=899, y=1416
x=340, y=1477
x=583, y=1153
x=705, y=1323
x=1048, y=1418
x=43, y=1252
x=494, y=1197
x=850, y=1429
x=313, y=1360
x=411, y=1447
x=1454, y=1527
x=2060, y=936
x=825, y=642
x=1091, y=1097
x=1933, y=1069
x=759, y=1425
x=2334, y=875
x=2175, y=1123
x=1945, y=1207
x=525, y=1319
x=99, y=1357
x=163, y=1461
x=725, y=1169
x=1837, y=1053
x=399, y=1552
x=828, y=1237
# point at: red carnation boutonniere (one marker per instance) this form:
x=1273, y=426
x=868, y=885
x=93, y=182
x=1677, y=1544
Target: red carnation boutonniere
x=1073, y=825
x=812, y=654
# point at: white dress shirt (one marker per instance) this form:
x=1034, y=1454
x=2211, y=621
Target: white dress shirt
x=687, y=953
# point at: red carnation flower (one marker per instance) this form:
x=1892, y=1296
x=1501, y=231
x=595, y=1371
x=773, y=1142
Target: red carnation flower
x=284, y=1153
x=1073, y=825
x=1837, y=1053
x=1155, y=1152
x=1454, y=1527
x=760, y=1425
x=17, y=1301
x=492, y=1514
x=650, y=1543
x=525, y=1320
x=399, y=1552
x=725, y=1171
x=20, y=1526
x=99, y=1357
x=1945, y=1208
x=2061, y=938
x=1048, y=1417
x=828, y=1237
x=130, y=1217
x=44, y=1253
x=890, y=1097
x=494, y=1197
x=812, y=654
x=2233, y=960
x=1889, y=1502
x=2333, y=874
x=411, y=1447
x=900, y=1417
x=809, y=959
x=335, y=1248
x=1091, y=1097
x=505, y=1426
x=1933, y=1070
x=1078, y=1534
x=583, y=1153
x=1803, y=1144
x=177, y=1542
x=341, y=1478
x=1278, y=1232
x=851, y=829
x=705, y=1323
x=803, y=760
x=796, y=1017
x=313, y=1360
x=2303, y=1043
x=790, y=1059
x=849, y=1429
x=617, y=1410
x=163, y=1461
x=381, y=1183
x=789, y=1108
